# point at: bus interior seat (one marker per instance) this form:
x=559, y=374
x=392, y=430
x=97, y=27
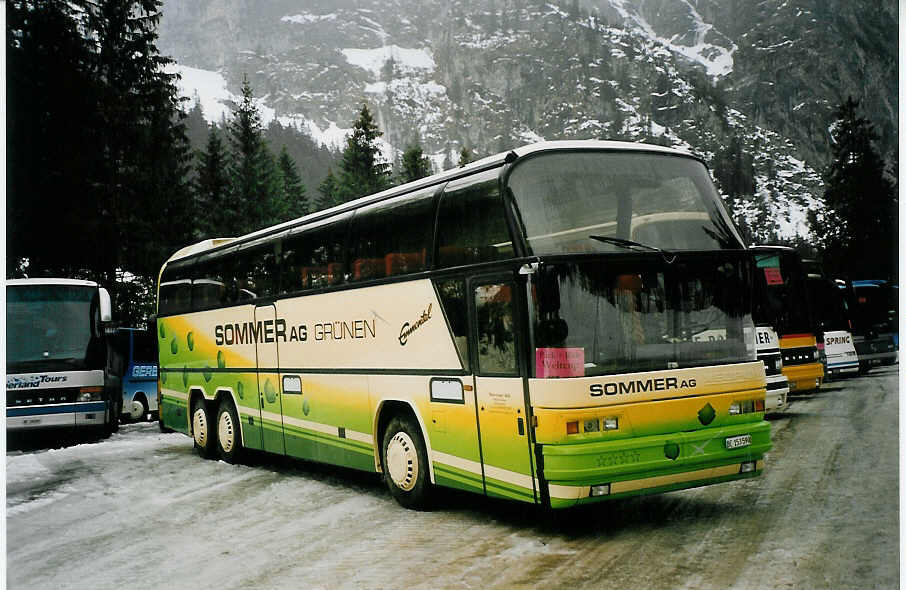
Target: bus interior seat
x=368, y=268
x=335, y=273
x=398, y=263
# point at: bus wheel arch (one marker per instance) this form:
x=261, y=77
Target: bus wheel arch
x=229, y=442
x=228, y=393
x=201, y=424
x=386, y=410
x=403, y=454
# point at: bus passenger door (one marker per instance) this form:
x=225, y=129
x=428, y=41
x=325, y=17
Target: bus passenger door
x=269, y=395
x=504, y=431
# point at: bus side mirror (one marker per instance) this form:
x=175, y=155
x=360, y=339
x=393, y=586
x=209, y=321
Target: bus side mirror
x=106, y=308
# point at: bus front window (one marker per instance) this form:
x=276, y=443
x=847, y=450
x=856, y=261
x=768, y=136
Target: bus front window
x=593, y=317
x=597, y=201
x=53, y=326
x=779, y=282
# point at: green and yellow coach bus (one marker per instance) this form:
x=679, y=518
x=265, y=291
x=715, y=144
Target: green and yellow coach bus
x=560, y=324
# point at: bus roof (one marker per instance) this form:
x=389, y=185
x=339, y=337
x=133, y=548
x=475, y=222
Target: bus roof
x=51, y=281
x=487, y=163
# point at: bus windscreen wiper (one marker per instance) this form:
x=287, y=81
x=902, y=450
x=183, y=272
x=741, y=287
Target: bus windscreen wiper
x=632, y=245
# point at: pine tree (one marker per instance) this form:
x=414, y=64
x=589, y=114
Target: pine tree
x=144, y=139
x=329, y=189
x=361, y=171
x=253, y=170
x=859, y=226
x=97, y=139
x=292, y=188
x=53, y=140
x=448, y=161
x=212, y=188
x=414, y=164
x=197, y=127
x=465, y=156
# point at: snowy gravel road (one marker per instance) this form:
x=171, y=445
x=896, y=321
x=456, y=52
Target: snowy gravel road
x=140, y=510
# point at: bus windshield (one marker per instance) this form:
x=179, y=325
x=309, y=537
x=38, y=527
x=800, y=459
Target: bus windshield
x=596, y=201
x=828, y=304
x=55, y=328
x=778, y=277
x=599, y=316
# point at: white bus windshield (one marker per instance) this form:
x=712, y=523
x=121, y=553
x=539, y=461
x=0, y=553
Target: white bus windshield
x=594, y=201
x=51, y=327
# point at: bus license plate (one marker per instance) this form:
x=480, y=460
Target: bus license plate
x=736, y=442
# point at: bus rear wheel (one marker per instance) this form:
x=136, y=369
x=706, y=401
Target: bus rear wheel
x=203, y=434
x=229, y=443
x=138, y=410
x=405, y=463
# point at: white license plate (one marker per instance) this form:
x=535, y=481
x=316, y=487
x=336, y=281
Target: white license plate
x=735, y=442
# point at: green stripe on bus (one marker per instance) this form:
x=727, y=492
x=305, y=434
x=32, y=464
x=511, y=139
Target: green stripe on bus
x=446, y=475
x=502, y=489
x=325, y=448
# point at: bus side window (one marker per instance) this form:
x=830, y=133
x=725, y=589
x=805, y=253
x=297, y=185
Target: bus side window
x=215, y=282
x=471, y=224
x=313, y=257
x=392, y=237
x=453, y=299
x=175, y=290
x=256, y=271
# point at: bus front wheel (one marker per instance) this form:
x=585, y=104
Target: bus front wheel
x=202, y=432
x=229, y=444
x=405, y=463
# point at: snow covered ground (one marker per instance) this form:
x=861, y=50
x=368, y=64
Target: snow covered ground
x=141, y=510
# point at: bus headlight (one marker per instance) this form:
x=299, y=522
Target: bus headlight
x=90, y=394
x=748, y=406
x=600, y=490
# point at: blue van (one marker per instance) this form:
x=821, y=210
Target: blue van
x=139, y=357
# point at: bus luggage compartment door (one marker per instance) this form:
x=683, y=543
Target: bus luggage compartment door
x=269, y=395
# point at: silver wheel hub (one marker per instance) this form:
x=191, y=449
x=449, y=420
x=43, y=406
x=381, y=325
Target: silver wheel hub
x=402, y=461
x=137, y=411
x=226, y=433
x=200, y=427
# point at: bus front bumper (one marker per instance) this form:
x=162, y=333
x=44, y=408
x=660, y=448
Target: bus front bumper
x=775, y=397
x=804, y=377
x=591, y=472
x=78, y=414
x=842, y=365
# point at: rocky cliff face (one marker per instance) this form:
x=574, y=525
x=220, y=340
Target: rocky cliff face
x=748, y=85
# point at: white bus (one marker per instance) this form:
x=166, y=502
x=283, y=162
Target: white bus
x=57, y=361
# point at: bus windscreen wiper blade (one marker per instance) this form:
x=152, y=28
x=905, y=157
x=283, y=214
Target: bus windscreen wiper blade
x=632, y=245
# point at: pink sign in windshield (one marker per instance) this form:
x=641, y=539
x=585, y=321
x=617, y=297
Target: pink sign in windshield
x=773, y=276
x=559, y=362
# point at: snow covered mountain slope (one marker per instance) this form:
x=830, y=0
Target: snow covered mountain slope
x=493, y=74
